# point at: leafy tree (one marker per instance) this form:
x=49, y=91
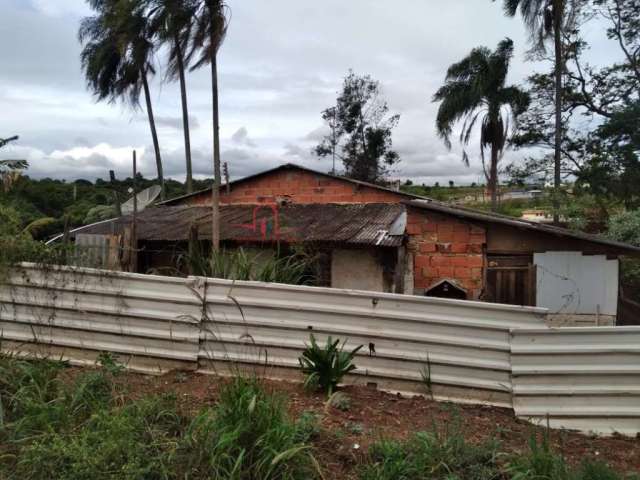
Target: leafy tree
x=601, y=154
x=117, y=58
x=360, y=130
x=210, y=30
x=475, y=90
x=172, y=22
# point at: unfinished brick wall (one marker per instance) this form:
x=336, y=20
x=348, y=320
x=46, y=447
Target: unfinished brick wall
x=446, y=248
x=297, y=186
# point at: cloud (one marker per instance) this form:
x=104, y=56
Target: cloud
x=278, y=69
x=176, y=122
x=241, y=137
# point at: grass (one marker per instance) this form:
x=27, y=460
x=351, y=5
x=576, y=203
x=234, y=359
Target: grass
x=55, y=427
x=435, y=455
x=83, y=431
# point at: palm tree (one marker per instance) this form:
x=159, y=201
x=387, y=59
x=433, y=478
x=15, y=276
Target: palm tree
x=210, y=30
x=475, y=90
x=173, y=23
x=544, y=19
x=117, y=58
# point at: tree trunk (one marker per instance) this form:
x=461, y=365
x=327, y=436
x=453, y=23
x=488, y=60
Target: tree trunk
x=185, y=115
x=493, y=179
x=215, y=193
x=154, y=133
x=557, y=33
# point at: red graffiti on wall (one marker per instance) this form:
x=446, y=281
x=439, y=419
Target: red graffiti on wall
x=266, y=227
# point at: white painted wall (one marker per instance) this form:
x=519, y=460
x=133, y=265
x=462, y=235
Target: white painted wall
x=356, y=270
x=575, y=284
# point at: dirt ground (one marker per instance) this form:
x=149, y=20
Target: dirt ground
x=373, y=414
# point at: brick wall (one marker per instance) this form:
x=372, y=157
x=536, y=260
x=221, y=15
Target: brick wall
x=298, y=186
x=446, y=248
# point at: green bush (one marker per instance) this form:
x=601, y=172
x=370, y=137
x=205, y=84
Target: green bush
x=432, y=456
x=324, y=368
x=247, y=436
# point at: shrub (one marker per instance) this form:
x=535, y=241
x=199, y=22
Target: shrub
x=431, y=455
x=247, y=436
x=325, y=368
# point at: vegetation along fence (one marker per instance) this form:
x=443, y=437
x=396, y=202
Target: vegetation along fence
x=455, y=350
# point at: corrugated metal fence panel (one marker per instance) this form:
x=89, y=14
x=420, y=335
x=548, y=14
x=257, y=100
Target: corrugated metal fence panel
x=464, y=345
x=152, y=322
x=581, y=378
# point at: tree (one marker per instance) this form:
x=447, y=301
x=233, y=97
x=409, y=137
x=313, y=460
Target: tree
x=172, y=22
x=210, y=29
x=546, y=19
x=360, y=130
x=117, y=58
x=475, y=90
x=599, y=154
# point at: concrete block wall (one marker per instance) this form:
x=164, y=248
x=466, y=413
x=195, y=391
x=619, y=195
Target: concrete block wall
x=299, y=187
x=446, y=248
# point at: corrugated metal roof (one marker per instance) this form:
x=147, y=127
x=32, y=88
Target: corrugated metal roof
x=356, y=224
x=488, y=217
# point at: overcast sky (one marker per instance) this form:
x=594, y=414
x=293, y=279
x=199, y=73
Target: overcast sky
x=281, y=65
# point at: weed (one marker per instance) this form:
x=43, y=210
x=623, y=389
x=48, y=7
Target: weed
x=339, y=400
x=308, y=426
x=355, y=428
x=542, y=463
x=247, y=436
x=110, y=363
x=434, y=455
x=133, y=442
x=325, y=367
x=425, y=373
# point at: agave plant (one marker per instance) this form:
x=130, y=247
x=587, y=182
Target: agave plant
x=324, y=368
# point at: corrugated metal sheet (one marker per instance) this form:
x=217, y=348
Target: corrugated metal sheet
x=466, y=344
x=152, y=323
x=356, y=224
x=580, y=378
x=572, y=283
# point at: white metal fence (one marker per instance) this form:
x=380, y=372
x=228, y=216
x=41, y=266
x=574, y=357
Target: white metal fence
x=586, y=378
x=580, y=378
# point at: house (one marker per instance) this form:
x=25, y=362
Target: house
x=378, y=239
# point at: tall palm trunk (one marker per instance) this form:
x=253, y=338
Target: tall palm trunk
x=557, y=34
x=185, y=114
x=493, y=178
x=215, y=196
x=154, y=133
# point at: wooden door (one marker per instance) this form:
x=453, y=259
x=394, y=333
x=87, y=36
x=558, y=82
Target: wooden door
x=511, y=280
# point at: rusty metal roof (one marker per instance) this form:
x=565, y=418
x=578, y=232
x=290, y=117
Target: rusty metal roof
x=489, y=217
x=353, y=224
